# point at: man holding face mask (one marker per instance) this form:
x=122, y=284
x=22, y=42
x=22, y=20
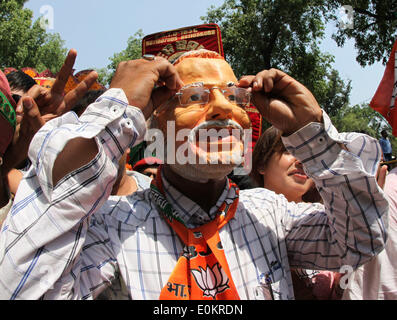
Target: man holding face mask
x=193, y=234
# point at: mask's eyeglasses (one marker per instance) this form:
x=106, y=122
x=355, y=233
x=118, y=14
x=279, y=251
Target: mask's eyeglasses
x=200, y=95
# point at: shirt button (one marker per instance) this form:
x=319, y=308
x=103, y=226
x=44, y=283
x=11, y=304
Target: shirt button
x=127, y=124
x=115, y=110
x=321, y=140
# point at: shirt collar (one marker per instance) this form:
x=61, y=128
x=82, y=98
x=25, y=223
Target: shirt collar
x=189, y=211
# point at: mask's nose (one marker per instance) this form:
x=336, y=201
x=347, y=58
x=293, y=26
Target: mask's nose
x=219, y=108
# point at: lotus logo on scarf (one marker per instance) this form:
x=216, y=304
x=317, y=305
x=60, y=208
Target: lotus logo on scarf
x=211, y=280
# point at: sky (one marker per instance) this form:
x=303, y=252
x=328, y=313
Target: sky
x=97, y=29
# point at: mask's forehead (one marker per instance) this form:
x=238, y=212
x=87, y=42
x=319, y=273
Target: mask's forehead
x=206, y=70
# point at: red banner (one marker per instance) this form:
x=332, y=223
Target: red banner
x=171, y=44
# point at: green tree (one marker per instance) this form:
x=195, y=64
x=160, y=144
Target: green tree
x=267, y=33
x=374, y=28
x=24, y=43
x=362, y=118
x=263, y=34
x=103, y=76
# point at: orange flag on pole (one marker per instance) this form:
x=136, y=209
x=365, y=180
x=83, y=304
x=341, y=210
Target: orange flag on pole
x=384, y=100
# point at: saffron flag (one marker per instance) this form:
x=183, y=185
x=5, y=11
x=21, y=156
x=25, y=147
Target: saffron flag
x=384, y=100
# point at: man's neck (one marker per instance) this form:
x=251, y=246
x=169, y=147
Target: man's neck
x=124, y=185
x=204, y=194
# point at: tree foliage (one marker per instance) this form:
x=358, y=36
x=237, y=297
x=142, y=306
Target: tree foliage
x=359, y=118
x=272, y=32
x=261, y=34
x=373, y=31
x=362, y=118
x=24, y=43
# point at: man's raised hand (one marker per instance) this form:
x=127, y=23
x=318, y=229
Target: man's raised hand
x=283, y=101
x=53, y=102
x=41, y=105
x=138, y=79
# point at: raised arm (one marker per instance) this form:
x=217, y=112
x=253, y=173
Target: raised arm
x=351, y=226
x=74, y=166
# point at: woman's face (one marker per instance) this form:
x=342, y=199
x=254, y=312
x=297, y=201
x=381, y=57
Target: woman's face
x=284, y=174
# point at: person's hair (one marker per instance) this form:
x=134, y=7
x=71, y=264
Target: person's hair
x=85, y=101
x=19, y=80
x=269, y=143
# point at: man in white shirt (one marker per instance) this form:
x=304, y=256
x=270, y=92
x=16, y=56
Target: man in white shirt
x=65, y=239
x=386, y=146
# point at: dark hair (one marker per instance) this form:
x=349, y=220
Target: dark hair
x=85, y=101
x=19, y=80
x=269, y=143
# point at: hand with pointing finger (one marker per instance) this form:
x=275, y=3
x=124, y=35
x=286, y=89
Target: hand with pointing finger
x=41, y=105
x=138, y=79
x=53, y=102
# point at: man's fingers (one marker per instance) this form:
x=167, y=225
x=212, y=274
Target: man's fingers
x=38, y=93
x=64, y=73
x=77, y=93
x=31, y=117
x=30, y=124
x=35, y=92
x=268, y=80
x=138, y=78
x=168, y=74
x=246, y=82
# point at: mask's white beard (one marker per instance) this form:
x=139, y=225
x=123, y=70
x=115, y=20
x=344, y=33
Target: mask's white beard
x=201, y=172
x=205, y=165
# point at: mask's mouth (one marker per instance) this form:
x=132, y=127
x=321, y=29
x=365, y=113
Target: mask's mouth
x=216, y=131
x=218, y=142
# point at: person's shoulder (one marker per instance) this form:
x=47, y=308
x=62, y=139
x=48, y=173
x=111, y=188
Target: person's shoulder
x=256, y=192
x=260, y=197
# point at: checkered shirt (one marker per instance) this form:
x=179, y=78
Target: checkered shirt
x=74, y=241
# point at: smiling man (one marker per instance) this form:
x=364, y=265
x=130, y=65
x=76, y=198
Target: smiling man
x=192, y=234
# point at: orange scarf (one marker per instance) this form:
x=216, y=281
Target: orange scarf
x=202, y=271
